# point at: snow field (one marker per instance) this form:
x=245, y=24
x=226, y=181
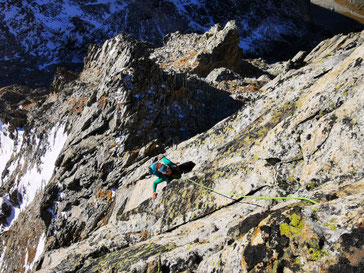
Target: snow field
x=38, y=175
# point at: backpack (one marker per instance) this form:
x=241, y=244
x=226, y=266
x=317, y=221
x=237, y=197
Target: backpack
x=153, y=169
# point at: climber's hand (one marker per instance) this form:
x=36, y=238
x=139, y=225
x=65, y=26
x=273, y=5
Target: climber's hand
x=154, y=196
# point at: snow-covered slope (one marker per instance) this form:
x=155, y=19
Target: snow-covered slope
x=40, y=35
x=26, y=167
x=6, y=147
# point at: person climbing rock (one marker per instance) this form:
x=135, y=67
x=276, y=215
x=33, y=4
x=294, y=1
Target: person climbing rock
x=166, y=171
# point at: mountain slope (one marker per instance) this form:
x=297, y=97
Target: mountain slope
x=38, y=36
x=301, y=134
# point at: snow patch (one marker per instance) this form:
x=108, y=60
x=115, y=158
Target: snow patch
x=53, y=23
x=272, y=28
x=111, y=52
x=51, y=211
x=36, y=178
x=180, y=4
x=71, y=10
x=2, y=260
x=40, y=249
x=128, y=83
x=113, y=190
x=11, y=13
x=7, y=146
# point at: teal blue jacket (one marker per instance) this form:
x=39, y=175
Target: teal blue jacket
x=162, y=177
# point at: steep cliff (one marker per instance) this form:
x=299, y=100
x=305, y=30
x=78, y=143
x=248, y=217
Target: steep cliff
x=85, y=150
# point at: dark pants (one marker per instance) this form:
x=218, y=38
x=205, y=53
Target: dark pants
x=176, y=173
x=180, y=169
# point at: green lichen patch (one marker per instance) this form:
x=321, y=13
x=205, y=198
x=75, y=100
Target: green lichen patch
x=331, y=226
x=297, y=261
x=292, y=179
x=294, y=228
x=121, y=260
x=316, y=253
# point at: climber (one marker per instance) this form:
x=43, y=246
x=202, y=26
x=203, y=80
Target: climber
x=166, y=171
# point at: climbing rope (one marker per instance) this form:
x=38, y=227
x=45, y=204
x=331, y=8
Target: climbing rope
x=247, y=196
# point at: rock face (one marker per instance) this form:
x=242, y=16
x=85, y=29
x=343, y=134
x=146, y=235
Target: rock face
x=38, y=36
x=299, y=134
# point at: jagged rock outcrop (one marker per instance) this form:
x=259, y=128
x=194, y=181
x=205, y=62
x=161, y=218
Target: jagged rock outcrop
x=301, y=134
x=200, y=54
x=15, y=101
x=214, y=55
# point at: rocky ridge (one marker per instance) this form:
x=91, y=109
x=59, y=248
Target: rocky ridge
x=300, y=134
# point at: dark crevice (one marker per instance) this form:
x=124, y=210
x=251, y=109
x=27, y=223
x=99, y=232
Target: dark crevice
x=319, y=146
x=322, y=112
x=309, y=118
x=75, y=185
x=294, y=159
x=122, y=207
x=272, y=161
x=103, y=250
x=322, y=73
x=254, y=191
x=99, y=131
